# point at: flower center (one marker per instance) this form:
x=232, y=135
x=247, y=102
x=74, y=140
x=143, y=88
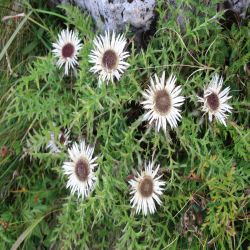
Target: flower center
x=68, y=50
x=213, y=101
x=109, y=59
x=146, y=186
x=82, y=169
x=62, y=139
x=162, y=101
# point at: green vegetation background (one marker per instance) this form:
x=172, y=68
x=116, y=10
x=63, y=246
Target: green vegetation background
x=205, y=166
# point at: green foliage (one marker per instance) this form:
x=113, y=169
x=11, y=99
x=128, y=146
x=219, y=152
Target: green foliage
x=205, y=166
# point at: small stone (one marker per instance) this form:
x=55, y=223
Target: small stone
x=116, y=14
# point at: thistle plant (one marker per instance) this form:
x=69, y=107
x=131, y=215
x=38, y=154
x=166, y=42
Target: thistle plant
x=81, y=165
x=108, y=56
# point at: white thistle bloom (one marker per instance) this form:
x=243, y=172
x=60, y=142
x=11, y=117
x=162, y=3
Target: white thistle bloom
x=215, y=101
x=52, y=146
x=55, y=146
x=146, y=188
x=108, y=57
x=162, y=102
x=66, y=49
x=80, y=170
